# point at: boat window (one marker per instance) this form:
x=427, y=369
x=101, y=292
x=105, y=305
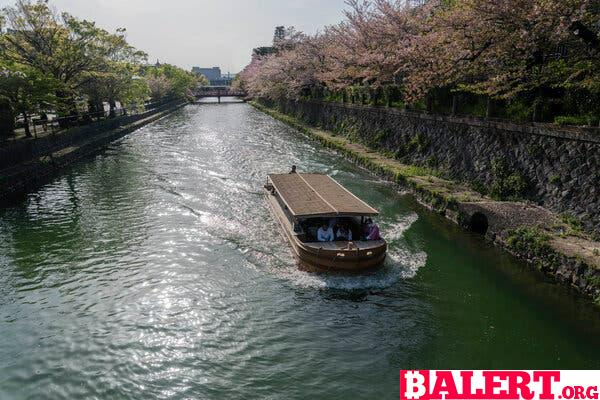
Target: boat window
x=311, y=225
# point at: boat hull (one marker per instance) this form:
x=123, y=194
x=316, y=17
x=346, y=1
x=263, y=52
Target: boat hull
x=330, y=257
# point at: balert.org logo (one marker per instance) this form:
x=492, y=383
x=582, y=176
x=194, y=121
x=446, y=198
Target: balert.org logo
x=498, y=385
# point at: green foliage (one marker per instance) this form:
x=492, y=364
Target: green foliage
x=507, y=184
x=577, y=120
x=167, y=80
x=419, y=143
x=349, y=128
x=572, y=222
x=52, y=61
x=479, y=187
x=264, y=51
x=432, y=161
x=519, y=111
x=27, y=90
x=529, y=239
x=535, y=150
x=378, y=138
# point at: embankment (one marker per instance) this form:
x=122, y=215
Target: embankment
x=26, y=164
x=385, y=141
x=555, y=167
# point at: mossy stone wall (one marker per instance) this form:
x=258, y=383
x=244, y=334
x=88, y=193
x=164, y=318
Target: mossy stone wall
x=558, y=168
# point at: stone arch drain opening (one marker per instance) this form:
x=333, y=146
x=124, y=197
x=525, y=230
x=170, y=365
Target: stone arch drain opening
x=478, y=223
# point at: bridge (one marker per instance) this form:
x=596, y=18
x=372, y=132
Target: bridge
x=218, y=92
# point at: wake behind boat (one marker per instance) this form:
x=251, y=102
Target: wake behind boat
x=320, y=219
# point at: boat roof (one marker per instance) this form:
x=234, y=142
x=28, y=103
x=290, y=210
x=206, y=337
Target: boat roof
x=317, y=195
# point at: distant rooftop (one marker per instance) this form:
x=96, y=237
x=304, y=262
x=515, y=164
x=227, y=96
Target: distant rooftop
x=211, y=73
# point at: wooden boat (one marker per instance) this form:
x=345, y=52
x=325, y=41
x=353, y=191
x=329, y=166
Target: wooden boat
x=302, y=203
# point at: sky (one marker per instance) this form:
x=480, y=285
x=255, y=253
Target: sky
x=203, y=33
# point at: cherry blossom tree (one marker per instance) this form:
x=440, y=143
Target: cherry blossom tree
x=499, y=48
x=502, y=49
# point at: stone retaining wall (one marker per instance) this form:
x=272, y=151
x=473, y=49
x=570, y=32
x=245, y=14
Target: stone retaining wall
x=558, y=168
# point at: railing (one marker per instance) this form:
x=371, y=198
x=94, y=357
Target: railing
x=588, y=134
x=219, y=92
x=14, y=152
x=41, y=127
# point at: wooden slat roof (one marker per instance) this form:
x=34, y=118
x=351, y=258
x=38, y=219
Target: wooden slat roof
x=308, y=195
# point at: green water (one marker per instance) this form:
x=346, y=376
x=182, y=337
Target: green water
x=154, y=270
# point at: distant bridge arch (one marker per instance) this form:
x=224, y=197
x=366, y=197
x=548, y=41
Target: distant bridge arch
x=218, y=92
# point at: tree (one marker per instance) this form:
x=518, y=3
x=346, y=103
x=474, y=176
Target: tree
x=26, y=90
x=70, y=50
x=167, y=80
x=500, y=48
x=119, y=82
x=513, y=50
x=159, y=86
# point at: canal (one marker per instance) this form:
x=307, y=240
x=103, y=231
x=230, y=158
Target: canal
x=154, y=270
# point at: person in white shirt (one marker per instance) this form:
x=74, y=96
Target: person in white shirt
x=325, y=234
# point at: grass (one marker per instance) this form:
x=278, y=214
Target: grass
x=529, y=239
x=573, y=223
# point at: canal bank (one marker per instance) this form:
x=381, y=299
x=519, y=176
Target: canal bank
x=29, y=163
x=532, y=233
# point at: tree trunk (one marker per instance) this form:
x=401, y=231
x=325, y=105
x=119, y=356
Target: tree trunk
x=64, y=120
x=489, y=111
x=7, y=120
x=537, y=110
x=429, y=102
x=91, y=111
x=454, y=104
x=113, y=108
x=375, y=96
x=26, y=124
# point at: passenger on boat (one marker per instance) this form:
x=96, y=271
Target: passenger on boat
x=293, y=171
x=343, y=233
x=373, y=231
x=325, y=234
x=366, y=228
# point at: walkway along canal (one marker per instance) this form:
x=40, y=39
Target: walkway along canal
x=155, y=271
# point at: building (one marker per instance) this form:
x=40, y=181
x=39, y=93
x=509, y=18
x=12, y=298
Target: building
x=212, y=74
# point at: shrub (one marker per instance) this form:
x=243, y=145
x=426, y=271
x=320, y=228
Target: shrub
x=506, y=184
x=572, y=221
x=577, y=120
x=529, y=239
